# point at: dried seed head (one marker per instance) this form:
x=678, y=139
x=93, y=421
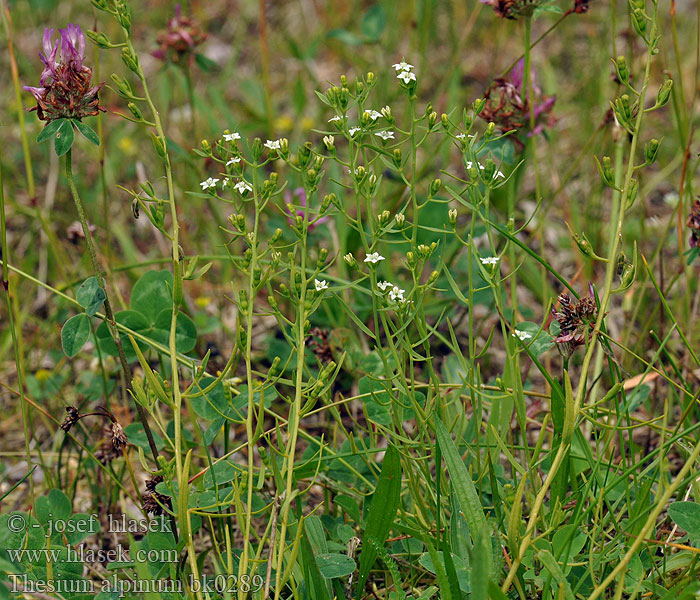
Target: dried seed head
x=177, y=44
x=693, y=223
x=72, y=417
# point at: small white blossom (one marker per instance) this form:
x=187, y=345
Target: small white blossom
x=523, y=335
x=498, y=174
x=233, y=161
x=209, y=183
x=403, y=66
x=276, y=255
x=225, y=182
x=353, y=130
x=374, y=258
x=329, y=142
x=373, y=114
x=489, y=260
x=334, y=119
x=385, y=135
x=406, y=76
x=461, y=136
x=232, y=137
x=272, y=144
x=384, y=285
x=242, y=187
x=396, y=294
x=320, y=285
x=251, y=236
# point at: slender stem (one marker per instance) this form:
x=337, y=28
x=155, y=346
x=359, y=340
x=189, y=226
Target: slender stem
x=111, y=324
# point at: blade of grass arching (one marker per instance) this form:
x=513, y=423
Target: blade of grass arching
x=464, y=490
x=382, y=510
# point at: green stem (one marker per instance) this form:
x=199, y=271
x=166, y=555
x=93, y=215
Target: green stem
x=109, y=315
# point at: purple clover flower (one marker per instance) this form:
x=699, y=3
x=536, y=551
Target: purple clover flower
x=65, y=90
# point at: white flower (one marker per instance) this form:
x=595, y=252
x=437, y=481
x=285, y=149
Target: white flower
x=272, y=144
x=232, y=137
x=461, y=136
x=396, y=294
x=523, y=335
x=209, y=183
x=384, y=285
x=320, y=285
x=334, y=119
x=498, y=174
x=225, y=182
x=353, y=130
x=386, y=112
x=385, y=135
x=242, y=187
x=403, y=66
x=233, y=161
x=406, y=76
x=374, y=258
x=373, y=114
x=489, y=260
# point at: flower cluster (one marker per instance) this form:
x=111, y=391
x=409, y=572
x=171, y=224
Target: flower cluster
x=178, y=42
x=65, y=90
x=396, y=294
x=508, y=106
x=512, y=9
x=404, y=72
x=575, y=318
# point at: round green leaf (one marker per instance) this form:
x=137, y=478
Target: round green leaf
x=687, y=516
x=185, y=330
x=75, y=333
x=129, y=318
x=90, y=295
x=152, y=294
x=64, y=138
x=334, y=565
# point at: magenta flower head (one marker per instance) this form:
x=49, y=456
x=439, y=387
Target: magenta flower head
x=508, y=105
x=178, y=43
x=65, y=90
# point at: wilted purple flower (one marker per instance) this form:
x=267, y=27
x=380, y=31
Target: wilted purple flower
x=301, y=195
x=65, y=90
x=575, y=318
x=512, y=9
x=178, y=42
x=508, y=106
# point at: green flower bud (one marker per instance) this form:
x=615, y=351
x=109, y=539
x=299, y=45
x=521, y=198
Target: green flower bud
x=130, y=60
x=370, y=77
x=276, y=236
x=397, y=158
x=243, y=300
x=158, y=145
x=632, y=193
x=272, y=302
x=322, y=257
x=435, y=186
x=350, y=260
x=605, y=171
x=123, y=87
x=328, y=199
x=445, y=121
x=432, y=119
x=135, y=111
x=478, y=105
x=411, y=259
x=664, y=93
x=490, y=128
x=383, y=217
x=284, y=290
x=206, y=146
x=651, y=150
x=257, y=148
x=452, y=215
x=623, y=73
x=99, y=38
x=433, y=277
x=400, y=219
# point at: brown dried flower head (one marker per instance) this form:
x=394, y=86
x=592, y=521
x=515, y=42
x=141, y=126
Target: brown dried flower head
x=72, y=417
x=693, y=223
x=575, y=318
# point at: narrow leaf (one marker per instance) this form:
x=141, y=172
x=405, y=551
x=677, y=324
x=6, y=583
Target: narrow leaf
x=87, y=131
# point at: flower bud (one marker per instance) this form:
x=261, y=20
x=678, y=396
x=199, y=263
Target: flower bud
x=344, y=97
x=397, y=158
x=623, y=73
x=433, y=277
x=651, y=150
x=276, y=236
x=135, y=110
x=206, y=146
x=605, y=171
x=632, y=193
x=257, y=148
x=360, y=173
x=322, y=257
x=411, y=259
x=284, y=290
x=445, y=121
x=274, y=368
x=383, y=217
x=452, y=214
x=130, y=60
x=99, y=38
x=478, y=105
x=123, y=87
x=372, y=182
x=328, y=199
x=243, y=300
x=370, y=77
x=386, y=113
x=329, y=142
x=432, y=119
x=664, y=93
x=435, y=186
x=350, y=260
x=359, y=87
x=490, y=128
x=158, y=145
